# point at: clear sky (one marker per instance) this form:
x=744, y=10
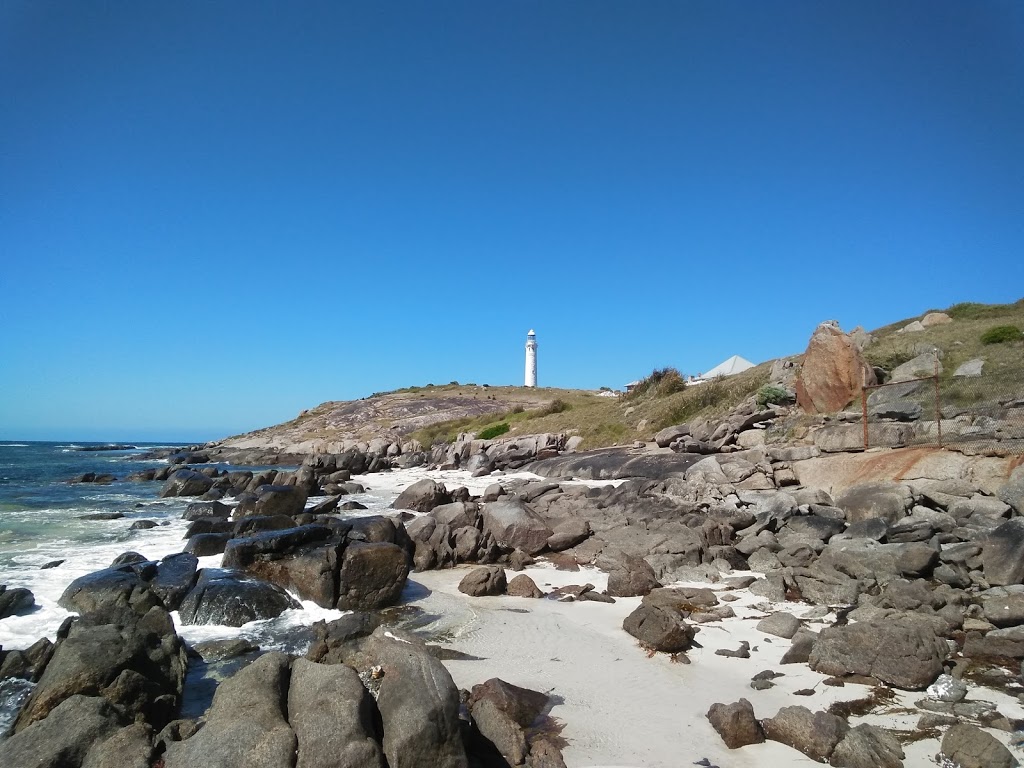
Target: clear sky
x=216, y=214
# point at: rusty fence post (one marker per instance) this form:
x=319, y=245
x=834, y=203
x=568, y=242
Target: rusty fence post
x=938, y=401
x=864, y=404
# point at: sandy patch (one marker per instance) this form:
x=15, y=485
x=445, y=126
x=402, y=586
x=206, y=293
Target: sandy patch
x=621, y=708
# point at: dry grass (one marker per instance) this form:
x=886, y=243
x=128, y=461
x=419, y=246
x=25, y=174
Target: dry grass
x=959, y=342
x=605, y=421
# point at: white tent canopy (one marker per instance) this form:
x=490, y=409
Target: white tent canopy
x=730, y=367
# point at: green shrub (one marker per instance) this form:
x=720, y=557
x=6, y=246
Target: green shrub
x=771, y=394
x=555, y=406
x=492, y=432
x=1001, y=333
x=661, y=383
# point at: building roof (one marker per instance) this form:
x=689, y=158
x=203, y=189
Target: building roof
x=733, y=365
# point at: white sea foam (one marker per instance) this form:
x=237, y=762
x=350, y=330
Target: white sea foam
x=114, y=537
x=13, y=445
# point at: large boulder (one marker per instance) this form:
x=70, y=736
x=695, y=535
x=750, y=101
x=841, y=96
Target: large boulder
x=816, y=734
x=202, y=510
x=175, y=576
x=138, y=664
x=903, y=652
x=1012, y=491
x=372, y=575
x=417, y=699
x=669, y=435
x=630, y=576
x=921, y=366
x=422, y=496
x=228, y=598
x=63, y=739
x=111, y=594
x=833, y=371
x=485, y=580
x=736, y=724
x=246, y=724
x=332, y=715
x=967, y=746
x=502, y=712
x=186, y=482
x=513, y=524
x=304, y=560
x=866, y=746
x=882, y=499
x=659, y=629
x=15, y=600
x=285, y=500
x=1002, y=553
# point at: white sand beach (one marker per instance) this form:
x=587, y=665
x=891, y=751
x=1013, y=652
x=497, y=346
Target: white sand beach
x=622, y=708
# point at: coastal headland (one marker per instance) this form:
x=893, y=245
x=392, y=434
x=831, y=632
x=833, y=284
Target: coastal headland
x=820, y=560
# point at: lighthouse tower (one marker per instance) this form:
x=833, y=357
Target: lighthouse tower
x=531, y=359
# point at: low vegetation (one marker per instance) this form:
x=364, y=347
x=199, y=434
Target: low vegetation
x=956, y=343
x=1001, y=333
x=489, y=433
x=661, y=382
x=771, y=394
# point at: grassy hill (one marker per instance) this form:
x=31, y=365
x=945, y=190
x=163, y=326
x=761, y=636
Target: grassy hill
x=434, y=414
x=958, y=342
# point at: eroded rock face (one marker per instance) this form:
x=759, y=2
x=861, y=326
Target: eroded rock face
x=833, y=371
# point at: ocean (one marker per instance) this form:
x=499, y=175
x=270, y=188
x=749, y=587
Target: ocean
x=41, y=522
x=44, y=521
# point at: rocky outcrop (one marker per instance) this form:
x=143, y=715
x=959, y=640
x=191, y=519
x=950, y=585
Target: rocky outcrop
x=332, y=715
x=246, y=724
x=15, y=600
x=902, y=652
x=223, y=597
x=833, y=371
x=351, y=565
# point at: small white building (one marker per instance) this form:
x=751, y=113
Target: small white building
x=730, y=367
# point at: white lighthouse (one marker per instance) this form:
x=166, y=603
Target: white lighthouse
x=531, y=359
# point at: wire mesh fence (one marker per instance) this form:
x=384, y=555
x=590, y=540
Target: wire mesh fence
x=970, y=408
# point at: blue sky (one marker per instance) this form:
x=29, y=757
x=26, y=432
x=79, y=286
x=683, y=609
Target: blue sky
x=216, y=214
